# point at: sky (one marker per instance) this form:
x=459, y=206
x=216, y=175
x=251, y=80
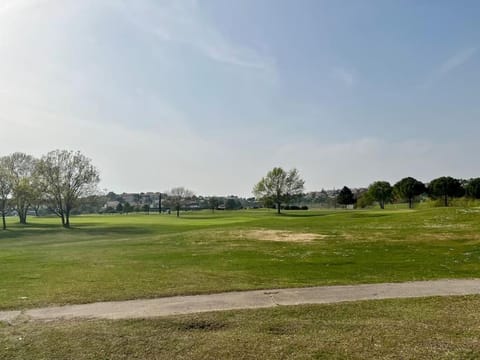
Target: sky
x=212, y=94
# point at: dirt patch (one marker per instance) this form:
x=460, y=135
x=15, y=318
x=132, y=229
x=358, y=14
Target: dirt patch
x=201, y=325
x=279, y=235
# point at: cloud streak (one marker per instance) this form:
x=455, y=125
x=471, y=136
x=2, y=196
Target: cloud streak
x=454, y=62
x=457, y=60
x=183, y=23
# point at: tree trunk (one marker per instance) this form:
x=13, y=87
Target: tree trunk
x=63, y=219
x=278, y=208
x=67, y=218
x=178, y=211
x=446, y=200
x=22, y=214
x=410, y=203
x=382, y=204
x=4, y=205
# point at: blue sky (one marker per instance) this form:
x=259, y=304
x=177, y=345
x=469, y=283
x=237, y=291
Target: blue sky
x=211, y=94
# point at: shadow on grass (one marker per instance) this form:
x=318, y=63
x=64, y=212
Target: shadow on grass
x=293, y=215
x=92, y=229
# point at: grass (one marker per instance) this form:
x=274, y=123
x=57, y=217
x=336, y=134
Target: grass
x=140, y=256
x=430, y=328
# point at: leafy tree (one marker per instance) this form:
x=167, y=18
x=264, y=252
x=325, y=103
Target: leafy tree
x=178, y=196
x=127, y=208
x=279, y=186
x=445, y=187
x=65, y=176
x=5, y=190
x=232, y=204
x=408, y=188
x=119, y=208
x=381, y=191
x=472, y=189
x=213, y=203
x=345, y=196
x=364, y=199
x=21, y=168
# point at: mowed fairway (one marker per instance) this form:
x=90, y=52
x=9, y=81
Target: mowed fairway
x=143, y=256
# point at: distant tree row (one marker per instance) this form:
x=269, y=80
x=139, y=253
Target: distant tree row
x=408, y=189
x=57, y=180
x=281, y=187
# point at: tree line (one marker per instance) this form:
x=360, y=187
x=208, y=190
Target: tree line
x=59, y=179
x=56, y=180
x=281, y=187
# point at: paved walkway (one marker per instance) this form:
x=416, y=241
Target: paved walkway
x=135, y=309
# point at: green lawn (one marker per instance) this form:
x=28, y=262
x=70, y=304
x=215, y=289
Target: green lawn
x=431, y=328
x=138, y=256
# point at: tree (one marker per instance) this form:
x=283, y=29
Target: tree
x=445, y=187
x=127, y=208
x=5, y=190
x=381, y=191
x=21, y=168
x=65, y=176
x=232, y=204
x=279, y=186
x=345, y=197
x=213, y=203
x=178, y=196
x=119, y=208
x=472, y=189
x=364, y=199
x=408, y=188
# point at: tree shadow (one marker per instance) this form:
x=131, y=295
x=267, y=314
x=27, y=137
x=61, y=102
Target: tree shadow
x=303, y=215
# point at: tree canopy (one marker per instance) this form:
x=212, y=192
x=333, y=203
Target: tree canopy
x=178, y=196
x=381, y=191
x=345, y=196
x=21, y=169
x=445, y=187
x=65, y=176
x=472, y=189
x=279, y=186
x=408, y=188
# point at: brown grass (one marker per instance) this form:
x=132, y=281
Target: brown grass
x=278, y=235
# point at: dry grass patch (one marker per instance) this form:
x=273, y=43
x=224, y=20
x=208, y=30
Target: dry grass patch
x=278, y=235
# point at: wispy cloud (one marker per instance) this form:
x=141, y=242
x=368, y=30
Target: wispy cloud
x=457, y=60
x=182, y=22
x=346, y=77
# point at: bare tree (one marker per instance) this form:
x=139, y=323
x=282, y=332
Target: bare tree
x=21, y=168
x=5, y=190
x=178, y=196
x=65, y=176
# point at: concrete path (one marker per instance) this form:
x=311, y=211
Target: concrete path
x=135, y=309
